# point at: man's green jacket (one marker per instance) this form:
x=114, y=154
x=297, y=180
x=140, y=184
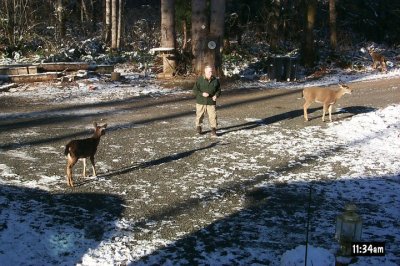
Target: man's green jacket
x=212, y=87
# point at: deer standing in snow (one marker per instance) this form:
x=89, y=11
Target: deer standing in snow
x=327, y=97
x=83, y=148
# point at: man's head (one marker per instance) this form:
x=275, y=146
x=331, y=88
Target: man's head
x=208, y=71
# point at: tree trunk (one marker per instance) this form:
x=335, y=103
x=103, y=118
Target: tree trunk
x=199, y=34
x=120, y=22
x=217, y=23
x=332, y=24
x=9, y=11
x=84, y=16
x=114, y=25
x=168, y=36
x=93, y=16
x=309, y=53
x=184, y=32
x=107, y=30
x=60, y=19
x=84, y=12
x=275, y=19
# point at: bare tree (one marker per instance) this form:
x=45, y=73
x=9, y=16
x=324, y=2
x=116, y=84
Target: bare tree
x=120, y=22
x=87, y=10
x=199, y=34
x=207, y=34
x=309, y=53
x=184, y=33
x=217, y=23
x=84, y=12
x=15, y=20
x=60, y=14
x=107, y=21
x=332, y=23
x=274, y=25
x=168, y=36
x=93, y=16
x=114, y=25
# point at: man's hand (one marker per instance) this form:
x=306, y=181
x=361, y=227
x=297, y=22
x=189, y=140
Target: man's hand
x=214, y=98
x=205, y=94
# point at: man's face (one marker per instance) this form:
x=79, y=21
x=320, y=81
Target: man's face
x=208, y=72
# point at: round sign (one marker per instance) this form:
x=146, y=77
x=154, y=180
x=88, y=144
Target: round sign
x=212, y=45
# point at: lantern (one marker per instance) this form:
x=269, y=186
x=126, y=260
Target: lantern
x=348, y=229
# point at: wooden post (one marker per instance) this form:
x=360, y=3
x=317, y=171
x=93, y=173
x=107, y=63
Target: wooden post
x=168, y=56
x=115, y=76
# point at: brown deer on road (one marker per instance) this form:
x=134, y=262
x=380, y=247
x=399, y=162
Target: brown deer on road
x=377, y=59
x=83, y=148
x=327, y=97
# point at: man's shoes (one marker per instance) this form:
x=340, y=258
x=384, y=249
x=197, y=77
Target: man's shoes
x=214, y=132
x=198, y=129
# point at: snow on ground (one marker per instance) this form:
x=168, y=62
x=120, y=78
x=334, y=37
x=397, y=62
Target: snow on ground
x=329, y=79
x=96, y=90
x=92, y=90
x=369, y=154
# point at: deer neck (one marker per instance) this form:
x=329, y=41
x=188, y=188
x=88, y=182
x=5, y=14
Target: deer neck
x=96, y=138
x=340, y=94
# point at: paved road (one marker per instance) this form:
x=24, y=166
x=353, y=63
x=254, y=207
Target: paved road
x=163, y=172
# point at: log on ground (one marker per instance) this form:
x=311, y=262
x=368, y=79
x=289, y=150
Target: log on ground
x=31, y=77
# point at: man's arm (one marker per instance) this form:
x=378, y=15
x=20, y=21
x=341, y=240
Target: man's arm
x=217, y=90
x=196, y=88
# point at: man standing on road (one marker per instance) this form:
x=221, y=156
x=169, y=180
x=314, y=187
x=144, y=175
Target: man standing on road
x=207, y=89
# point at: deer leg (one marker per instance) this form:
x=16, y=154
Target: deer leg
x=330, y=112
x=324, y=112
x=305, y=107
x=71, y=161
x=384, y=65
x=375, y=65
x=84, y=167
x=93, y=166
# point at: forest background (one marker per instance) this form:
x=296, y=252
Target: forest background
x=318, y=32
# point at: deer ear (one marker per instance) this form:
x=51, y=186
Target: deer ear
x=95, y=124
